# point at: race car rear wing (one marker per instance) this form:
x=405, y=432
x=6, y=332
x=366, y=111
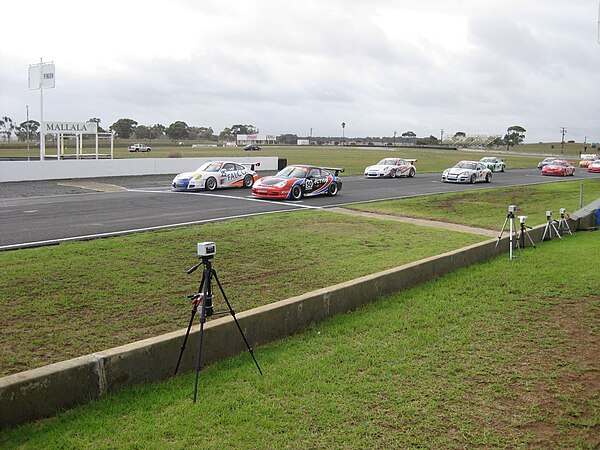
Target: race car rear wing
x=335, y=170
x=412, y=161
x=252, y=164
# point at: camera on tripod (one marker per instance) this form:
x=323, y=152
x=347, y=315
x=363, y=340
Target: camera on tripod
x=207, y=249
x=549, y=215
x=512, y=208
x=522, y=219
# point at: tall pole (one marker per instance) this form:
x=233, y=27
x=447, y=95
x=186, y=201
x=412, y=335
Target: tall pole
x=563, y=130
x=42, y=143
x=441, y=136
x=27, y=125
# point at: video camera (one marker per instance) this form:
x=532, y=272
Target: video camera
x=207, y=249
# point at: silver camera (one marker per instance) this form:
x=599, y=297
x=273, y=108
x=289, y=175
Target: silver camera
x=562, y=211
x=207, y=249
x=522, y=219
x=549, y=215
x=512, y=208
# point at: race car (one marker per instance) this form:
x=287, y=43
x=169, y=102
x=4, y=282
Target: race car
x=392, y=168
x=587, y=159
x=217, y=174
x=493, y=163
x=594, y=166
x=559, y=167
x=546, y=161
x=297, y=181
x=467, y=172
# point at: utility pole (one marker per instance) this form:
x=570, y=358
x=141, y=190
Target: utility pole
x=441, y=136
x=563, y=131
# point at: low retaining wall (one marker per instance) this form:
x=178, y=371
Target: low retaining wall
x=42, y=392
x=93, y=168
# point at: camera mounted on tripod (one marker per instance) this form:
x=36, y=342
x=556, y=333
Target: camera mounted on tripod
x=207, y=250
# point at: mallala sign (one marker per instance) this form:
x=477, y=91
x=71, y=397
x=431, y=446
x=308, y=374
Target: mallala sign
x=71, y=127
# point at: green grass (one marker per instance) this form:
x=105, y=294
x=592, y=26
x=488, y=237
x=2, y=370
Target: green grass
x=488, y=208
x=501, y=354
x=353, y=160
x=65, y=301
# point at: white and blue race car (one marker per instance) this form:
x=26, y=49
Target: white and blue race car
x=467, y=172
x=217, y=174
x=392, y=168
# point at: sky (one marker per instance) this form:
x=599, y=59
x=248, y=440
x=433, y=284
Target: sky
x=302, y=67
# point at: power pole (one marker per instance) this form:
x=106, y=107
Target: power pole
x=563, y=131
x=441, y=136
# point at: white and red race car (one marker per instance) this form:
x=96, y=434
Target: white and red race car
x=217, y=174
x=467, y=172
x=392, y=168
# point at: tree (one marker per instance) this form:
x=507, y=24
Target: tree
x=514, y=136
x=226, y=134
x=28, y=131
x=243, y=129
x=7, y=127
x=288, y=139
x=157, y=131
x=460, y=134
x=409, y=134
x=201, y=133
x=123, y=128
x=178, y=130
x=142, y=132
x=97, y=122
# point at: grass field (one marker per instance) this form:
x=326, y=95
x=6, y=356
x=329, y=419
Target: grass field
x=498, y=355
x=488, y=208
x=354, y=160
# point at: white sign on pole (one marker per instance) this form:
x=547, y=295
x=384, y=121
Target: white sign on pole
x=70, y=127
x=44, y=77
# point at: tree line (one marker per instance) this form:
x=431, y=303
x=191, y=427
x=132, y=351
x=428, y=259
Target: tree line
x=179, y=130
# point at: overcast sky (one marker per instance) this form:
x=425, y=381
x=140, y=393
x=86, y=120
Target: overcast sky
x=477, y=66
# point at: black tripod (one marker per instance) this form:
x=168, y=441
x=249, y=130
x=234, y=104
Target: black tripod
x=203, y=299
x=522, y=233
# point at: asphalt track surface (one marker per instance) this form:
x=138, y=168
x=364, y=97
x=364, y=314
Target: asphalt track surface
x=49, y=212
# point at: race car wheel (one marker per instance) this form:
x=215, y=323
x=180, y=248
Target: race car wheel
x=248, y=181
x=501, y=168
x=392, y=173
x=488, y=178
x=333, y=189
x=472, y=180
x=211, y=184
x=411, y=173
x=296, y=192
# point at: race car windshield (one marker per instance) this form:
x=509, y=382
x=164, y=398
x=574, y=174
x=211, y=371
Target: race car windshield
x=465, y=165
x=293, y=172
x=559, y=163
x=209, y=167
x=387, y=162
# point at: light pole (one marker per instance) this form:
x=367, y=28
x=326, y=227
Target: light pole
x=394, y=138
x=441, y=136
x=343, y=137
x=27, y=125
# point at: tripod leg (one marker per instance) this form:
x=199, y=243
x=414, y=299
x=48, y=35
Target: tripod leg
x=187, y=334
x=501, y=232
x=555, y=230
x=205, y=287
x=530, y=240
x=546, y=230
x=232, y=312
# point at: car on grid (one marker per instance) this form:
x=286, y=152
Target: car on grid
x=587, y=159
x=559, y=167
x=392, y=168
x=252, y=147
x=217, y=174
x=493, y=163
x=594, y=166
x=546, y=161
x=467, y=172
x=299, y=180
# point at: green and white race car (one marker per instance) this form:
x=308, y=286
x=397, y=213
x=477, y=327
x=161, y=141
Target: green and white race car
x=493, y=163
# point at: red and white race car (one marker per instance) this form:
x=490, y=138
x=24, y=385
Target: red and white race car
x=594, y=166
x=297, y=181
x=559, y=167
x=217, y=174
x=587, y=159
x=392, y=168
x=467, y=172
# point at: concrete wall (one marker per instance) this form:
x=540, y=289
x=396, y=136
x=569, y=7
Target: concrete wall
x=44, y=391
x=91, y=168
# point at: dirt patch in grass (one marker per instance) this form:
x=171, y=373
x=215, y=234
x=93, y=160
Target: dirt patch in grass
x=560, y=403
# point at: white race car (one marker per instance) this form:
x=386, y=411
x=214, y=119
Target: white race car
x=217, y=174
x=392, y=168
x=467, y=172
x=493, y=163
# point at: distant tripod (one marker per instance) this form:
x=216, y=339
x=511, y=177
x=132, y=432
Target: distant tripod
x=563, y=225
x=510, y=220
x=522, y=233
x=550, y=227
x=203, y=299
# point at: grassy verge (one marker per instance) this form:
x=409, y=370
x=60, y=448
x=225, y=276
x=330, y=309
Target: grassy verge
x=502, y=354
x=76, y=298
x=488, y=208
x=354, y=160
